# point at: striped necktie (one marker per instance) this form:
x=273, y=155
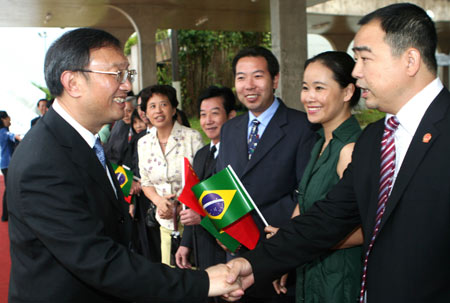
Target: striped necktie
x=253, y=138
x=386, y=176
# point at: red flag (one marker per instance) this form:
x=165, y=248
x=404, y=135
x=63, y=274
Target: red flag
x=128, y=199
x=245, y=231
x=187, y=197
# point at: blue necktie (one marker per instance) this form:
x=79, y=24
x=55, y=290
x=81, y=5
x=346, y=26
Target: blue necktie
x=98, y=148
x=253, y=138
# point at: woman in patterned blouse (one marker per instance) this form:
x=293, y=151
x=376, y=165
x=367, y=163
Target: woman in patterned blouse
x=161, y=154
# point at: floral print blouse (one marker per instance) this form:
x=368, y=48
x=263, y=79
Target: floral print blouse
x=164, y=171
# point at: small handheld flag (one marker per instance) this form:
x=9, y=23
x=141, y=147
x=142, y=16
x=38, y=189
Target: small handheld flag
x=187, y=197
x=227, y=204
x=125, y=178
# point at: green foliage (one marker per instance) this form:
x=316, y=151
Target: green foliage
x=205, y=59
x=48, y=96
x=133, y=40
x=161, y=34
x=368, y=116
x=164, y=73
x=195, y=124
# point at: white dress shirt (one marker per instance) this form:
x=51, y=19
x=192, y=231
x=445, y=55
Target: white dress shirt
x=409, y=117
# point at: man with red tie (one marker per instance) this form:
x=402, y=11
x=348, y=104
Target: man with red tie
x=397, y=184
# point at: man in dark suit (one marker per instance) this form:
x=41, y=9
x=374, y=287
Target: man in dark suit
x=216, y=106
x=406, y=225
x=271, y=168
x=121, y=133
x=42, y=108
x=69, y=225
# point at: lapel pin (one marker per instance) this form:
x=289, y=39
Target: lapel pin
x=426, y=138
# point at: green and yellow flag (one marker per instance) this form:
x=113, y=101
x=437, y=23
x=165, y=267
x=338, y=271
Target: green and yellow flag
x=227, y=206
x=125, y=178
x=223, y=199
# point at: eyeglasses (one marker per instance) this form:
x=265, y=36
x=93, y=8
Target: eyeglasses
x=121, y=76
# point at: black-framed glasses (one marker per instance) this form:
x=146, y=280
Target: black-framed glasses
x=121, y=76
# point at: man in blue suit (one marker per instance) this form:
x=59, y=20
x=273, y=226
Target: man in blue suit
x=269, y=156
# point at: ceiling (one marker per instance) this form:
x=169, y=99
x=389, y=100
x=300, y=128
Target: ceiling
x=332, y=17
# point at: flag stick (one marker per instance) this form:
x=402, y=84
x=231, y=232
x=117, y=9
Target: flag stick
x=251, y=200
x=183, y=181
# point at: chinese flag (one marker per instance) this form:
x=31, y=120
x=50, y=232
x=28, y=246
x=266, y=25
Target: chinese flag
x=187, y=197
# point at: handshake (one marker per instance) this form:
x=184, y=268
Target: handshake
x=230, y=280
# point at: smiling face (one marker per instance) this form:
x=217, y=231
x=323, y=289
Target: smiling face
x=325, y=101
x=102, y=95
x=212, y=117
x=254, y=85
x=128, y=110
x=42, y=107
x=379, y=74
x=138, y=125
x=160, y=111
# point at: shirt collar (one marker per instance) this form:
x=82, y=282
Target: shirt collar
x=413, y=111
x=212, y=144
x=84, y=133
x=266, y=116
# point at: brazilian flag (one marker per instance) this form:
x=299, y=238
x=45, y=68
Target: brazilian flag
x=223, y=198
x=125, y=178
x=227, y=240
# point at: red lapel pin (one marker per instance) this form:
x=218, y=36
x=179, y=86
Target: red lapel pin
x=426, y=138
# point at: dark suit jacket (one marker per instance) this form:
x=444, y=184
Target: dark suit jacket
x=34, y=121
x=70, y=234
x=410, y=260
x=276, y=167
x=272, y=175
x=207, y=251
x=117, y=144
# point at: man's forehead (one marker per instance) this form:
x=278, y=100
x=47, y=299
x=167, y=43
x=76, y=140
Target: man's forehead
x=212, y=103
x=368, y=36
x=108, y=56
x=258, y=62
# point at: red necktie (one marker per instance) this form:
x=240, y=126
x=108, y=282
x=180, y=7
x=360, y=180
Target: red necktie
x=386, y=177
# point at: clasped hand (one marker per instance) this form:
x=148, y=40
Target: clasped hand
x=165, y=206
x=230, y=280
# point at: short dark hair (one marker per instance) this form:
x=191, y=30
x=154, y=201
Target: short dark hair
x=229, y=100
x=341, y=65
x=165, y=90
x=407, y=25
x=258, y=51
x=71, y=51
x=134, y=116
x=40, y=100
x=3, y=115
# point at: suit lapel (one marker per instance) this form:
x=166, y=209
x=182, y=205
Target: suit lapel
x=272, y=135
x=80, y=153
x=417, y=151
x=240, y=145
x=88, y=161
x=374, y=173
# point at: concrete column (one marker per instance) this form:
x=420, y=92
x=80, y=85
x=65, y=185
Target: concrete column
x=148, y=54
x=289, y=44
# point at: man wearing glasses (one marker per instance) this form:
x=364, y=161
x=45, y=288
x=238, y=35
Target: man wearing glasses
x=69, y=226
